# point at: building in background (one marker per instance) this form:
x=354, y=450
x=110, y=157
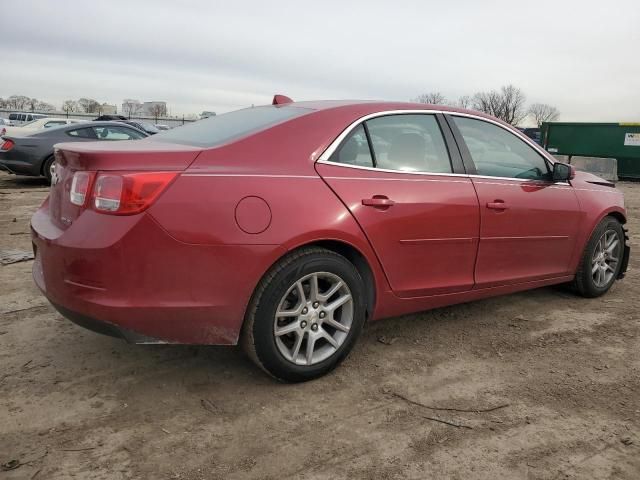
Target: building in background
x=136, y=108
x=154, y=109
x=106, y=109
x=131, y=107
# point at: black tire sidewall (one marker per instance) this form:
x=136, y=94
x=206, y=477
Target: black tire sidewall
x=586, y=282
x=46, y=168
x=264, y=340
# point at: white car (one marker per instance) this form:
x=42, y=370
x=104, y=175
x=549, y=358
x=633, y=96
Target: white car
x=19, y=118
x=36, y=125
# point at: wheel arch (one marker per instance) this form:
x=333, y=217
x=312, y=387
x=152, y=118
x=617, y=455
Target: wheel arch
x=43, y=162
x=615, y=212
x=341, y=247
x=357, y=258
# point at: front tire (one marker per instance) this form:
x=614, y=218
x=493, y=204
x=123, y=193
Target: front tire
x=305, y=315
x=602, y=259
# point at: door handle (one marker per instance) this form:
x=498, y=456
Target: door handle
x=378, y=201
x=497, y=205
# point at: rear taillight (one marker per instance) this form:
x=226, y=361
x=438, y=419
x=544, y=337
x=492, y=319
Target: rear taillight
x=80, y=186
x=118, y=193
x=128, y=193
x=7, y=145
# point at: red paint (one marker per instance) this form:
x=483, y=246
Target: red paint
x=253, y=215
x=184, y=269
x=417, y=239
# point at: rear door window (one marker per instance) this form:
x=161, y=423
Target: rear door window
x=409, y=143
x=354, y=149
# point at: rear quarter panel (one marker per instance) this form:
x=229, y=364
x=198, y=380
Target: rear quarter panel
x=201, y=209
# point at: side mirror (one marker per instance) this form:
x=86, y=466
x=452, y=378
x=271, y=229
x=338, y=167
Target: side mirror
x=563, y=172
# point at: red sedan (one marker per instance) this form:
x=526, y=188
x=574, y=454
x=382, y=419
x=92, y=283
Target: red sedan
x=286, y=227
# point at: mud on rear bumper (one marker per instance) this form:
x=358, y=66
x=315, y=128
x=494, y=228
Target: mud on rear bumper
x=105, y=328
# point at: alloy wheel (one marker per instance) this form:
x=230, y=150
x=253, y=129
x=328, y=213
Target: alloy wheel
x=605, y=258
x=313, y=318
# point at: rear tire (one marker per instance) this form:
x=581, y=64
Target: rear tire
x=305, y=315
x=46, y=168
x=602, y=259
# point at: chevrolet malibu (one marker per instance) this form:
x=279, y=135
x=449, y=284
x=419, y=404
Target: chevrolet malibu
x=286, y=227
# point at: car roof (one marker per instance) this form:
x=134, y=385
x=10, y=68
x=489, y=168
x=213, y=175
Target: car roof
x=361, y=108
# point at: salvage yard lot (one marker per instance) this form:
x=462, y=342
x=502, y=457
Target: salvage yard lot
x=563, y=371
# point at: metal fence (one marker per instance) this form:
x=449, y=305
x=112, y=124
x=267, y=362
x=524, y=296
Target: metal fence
x=170, y=121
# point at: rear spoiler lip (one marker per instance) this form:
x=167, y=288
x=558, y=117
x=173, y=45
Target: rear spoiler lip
x=88, y=147
x=165, y=159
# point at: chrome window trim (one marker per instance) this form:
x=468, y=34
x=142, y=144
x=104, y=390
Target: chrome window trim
x=326, y=155
x=388, y=170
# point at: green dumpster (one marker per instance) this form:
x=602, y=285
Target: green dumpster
x=609, y=140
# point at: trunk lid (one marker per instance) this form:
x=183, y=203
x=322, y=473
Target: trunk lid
x=134, y=155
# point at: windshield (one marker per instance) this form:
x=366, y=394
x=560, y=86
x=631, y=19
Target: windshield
x=147, y=127
x=220, y=129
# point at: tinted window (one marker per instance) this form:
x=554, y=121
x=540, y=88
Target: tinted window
x=354, y=149
x=54, y=124
x=82, y=133
x=13, y=116
x=499, y=153
x=221, y=129
x=117, y=133
x=147, y=127
x=410, y=143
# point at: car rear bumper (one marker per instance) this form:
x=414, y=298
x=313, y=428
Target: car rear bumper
x=126, y=276
x=104, y=328
x=19, y=167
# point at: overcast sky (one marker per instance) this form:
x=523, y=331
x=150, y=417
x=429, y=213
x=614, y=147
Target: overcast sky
x=581, y=56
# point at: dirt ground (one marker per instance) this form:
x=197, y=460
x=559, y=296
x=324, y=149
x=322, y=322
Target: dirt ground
x=564, y=372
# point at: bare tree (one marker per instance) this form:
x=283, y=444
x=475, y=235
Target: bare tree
x=131, y=107
x=18, y=102
x=158, y=110
x=464, y=101
x=32, y=103
x=70, y=106
x=44, y=107
x=89, y=105
x=433, y=98
x=487, y=102
x=541, y=112
x=508, y=104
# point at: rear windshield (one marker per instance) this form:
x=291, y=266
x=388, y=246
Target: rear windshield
x=220, y=129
